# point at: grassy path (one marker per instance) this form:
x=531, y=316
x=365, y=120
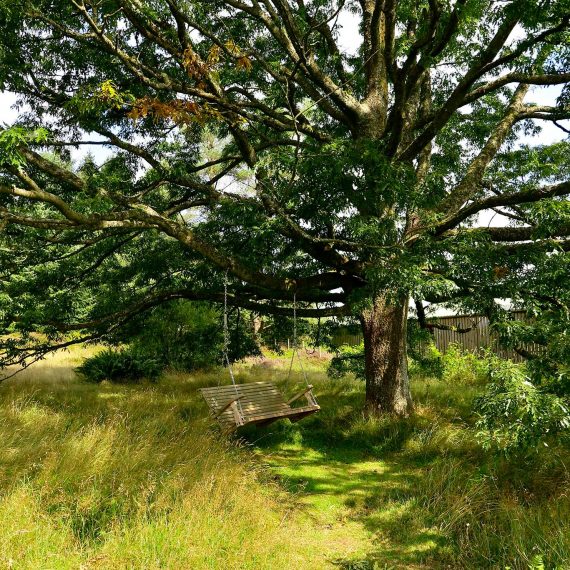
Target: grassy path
x=361, y=509
x=342, y=495
x=418, y=493
x=353, y=481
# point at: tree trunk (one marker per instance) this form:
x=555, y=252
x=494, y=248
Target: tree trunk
x=386, y=366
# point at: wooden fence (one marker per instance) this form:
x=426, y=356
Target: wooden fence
x=477, y=336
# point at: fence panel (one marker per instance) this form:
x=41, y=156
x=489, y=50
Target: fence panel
x=471, y=332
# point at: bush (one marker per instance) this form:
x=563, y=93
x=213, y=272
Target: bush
x=188, y=336
x=549, y=366
x=516, y=415
x=278, y=328
x=243, y=341
x=119, y=365
x=183, y=336
x=464, y=367
x=425, y=358
x=348, y=360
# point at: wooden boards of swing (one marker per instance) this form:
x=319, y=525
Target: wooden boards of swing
x=259, y=403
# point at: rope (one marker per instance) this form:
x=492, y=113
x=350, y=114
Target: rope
x=227, y=341
x=295, y=345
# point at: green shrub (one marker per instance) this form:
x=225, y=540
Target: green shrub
x=427, y=363
x=188, y=336
x=119, y=365
x=183, y=336
x=243, y=341
x=425, y=358
x=348, y=360
x=515, y=414
x=278, y=328
x=549, y=366
x=464, y=367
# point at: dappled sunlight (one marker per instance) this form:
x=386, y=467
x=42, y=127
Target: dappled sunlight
x=111, y=395
x=377, y=496
x=413, y=490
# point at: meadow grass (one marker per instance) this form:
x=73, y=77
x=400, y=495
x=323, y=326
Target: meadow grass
x=106, y=476
x=136, y=476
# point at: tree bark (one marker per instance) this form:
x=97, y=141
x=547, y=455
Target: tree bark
x=386, y=366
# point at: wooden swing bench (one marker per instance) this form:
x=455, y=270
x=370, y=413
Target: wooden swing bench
x=258, y=403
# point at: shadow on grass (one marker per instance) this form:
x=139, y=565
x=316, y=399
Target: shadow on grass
x=341, y=466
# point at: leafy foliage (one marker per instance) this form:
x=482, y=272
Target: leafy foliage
x=243, y=138
x=278, y=329
x=347, y=360
x=124, y=365
x=549, y=362
x=13, y=137
x=514, y=414
x=426, y=359
x=183, y=336
x=189, y=336
x=461, y=367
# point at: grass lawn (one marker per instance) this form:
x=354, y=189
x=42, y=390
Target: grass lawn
x=107, y=476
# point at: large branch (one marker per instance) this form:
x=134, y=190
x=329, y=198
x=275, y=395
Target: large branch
x=279, y=21
x=11, y=354
x=119, y=318
x=39, y=195
x=454, y=101
x=379, y=31
x=319, y=248
x=509, y=234
x=539, y=245
x=516, y=77
x=160, y=81
x=141, y=216
x=470, y=183
x=544, y=112
x=511, y=199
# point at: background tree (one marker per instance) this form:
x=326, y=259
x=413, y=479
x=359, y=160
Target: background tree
x=246, y=141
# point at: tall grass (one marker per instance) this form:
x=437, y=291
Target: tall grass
x=107, y=476
x=132, y=477
x=431, y=496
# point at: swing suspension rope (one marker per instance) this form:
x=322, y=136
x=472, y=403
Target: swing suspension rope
x=226, y=355
x=226, y=350
x=296, y=345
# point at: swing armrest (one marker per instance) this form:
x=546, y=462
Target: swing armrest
x=300, y=394
x=229, y=404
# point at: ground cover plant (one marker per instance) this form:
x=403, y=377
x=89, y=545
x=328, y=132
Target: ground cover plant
x=136, y=476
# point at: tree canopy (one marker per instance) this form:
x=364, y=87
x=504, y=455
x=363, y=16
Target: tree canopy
x=246, y=141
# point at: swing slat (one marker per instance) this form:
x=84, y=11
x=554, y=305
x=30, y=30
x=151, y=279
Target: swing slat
x=309, y=388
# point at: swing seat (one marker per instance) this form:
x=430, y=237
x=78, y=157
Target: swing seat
x=255, y=403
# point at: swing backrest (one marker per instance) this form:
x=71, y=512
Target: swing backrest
x=256, y=400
